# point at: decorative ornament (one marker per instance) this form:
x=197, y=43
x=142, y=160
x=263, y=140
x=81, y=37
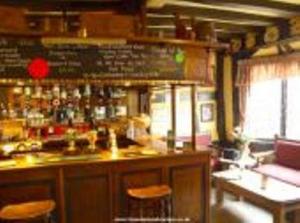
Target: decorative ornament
x=38, y=68
x=250, y=40
x=272, y=34
x=295, y=26
x=180, y=28
x=236, y=45
x=179, y=56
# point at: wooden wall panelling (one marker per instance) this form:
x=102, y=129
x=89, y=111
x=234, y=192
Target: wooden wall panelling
x=206, y=176
x=196, y=64
x=132, y=179
x=187, y=183
x=88, y=191
x=87, y=199
x=23, y=186
x=12, y=19
x=108, y=25
x=96, y=191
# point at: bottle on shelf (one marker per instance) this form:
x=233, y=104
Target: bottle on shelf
x=130, y=133
x=113, y=146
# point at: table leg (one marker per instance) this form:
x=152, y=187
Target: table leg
x=279, y=216
x=220, y=194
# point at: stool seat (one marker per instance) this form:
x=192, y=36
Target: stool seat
x=150, y=192
x=27, y=210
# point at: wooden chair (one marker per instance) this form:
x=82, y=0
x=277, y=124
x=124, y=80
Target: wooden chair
x=157, y=196
x=28, y=212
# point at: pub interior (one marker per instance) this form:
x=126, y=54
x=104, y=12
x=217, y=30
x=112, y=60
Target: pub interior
x=150, y=111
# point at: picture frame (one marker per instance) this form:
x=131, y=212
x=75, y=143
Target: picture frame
x=207, y=112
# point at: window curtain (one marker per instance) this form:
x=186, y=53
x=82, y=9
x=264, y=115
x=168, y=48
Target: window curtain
x=263, y=69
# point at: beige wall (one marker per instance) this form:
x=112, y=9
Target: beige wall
x=208, y=127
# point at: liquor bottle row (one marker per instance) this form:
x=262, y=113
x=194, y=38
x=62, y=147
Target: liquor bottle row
x=63, y=104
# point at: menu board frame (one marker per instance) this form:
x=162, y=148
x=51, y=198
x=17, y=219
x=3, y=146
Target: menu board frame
x=115, y=60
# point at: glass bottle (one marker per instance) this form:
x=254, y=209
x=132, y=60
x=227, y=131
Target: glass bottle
x=170, y=140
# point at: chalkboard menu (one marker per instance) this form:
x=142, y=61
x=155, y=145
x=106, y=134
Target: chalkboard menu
x=90, y=61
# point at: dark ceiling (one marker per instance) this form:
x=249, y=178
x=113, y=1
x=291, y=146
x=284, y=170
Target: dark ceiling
x=122, y=6
x=231, y=17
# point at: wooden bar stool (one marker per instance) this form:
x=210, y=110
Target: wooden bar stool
x=158, y=196
x=28, y=212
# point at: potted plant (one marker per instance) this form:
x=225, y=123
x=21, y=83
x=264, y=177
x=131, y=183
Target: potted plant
x=240, y=141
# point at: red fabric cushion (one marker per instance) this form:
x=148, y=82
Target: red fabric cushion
x=282, y=173
x=288, y=153
x=203, y=140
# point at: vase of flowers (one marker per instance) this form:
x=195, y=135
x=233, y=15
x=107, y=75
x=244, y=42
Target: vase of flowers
x=240, y=141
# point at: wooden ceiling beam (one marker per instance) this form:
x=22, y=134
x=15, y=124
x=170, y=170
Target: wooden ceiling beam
x=219, y=29
x=268, y=4
x=225, y=26
x=195, y=12
x=221, y=36
x=292, y=2
x=122, y=6
x=153, y=18
x=232, y=8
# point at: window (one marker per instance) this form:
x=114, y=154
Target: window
x=183, y=114
x=263, y=111
x=273, y=107
x=161, y=112
x=293, y=108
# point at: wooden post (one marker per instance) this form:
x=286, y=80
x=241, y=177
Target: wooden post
x=173, y=108
x=279, y=216
x=297, y=216
x=143, y=19
x=193, y=115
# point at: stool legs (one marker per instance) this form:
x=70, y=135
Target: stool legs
x=48, y=218
x=168, y=208
x=141, y=209
x=163, y=209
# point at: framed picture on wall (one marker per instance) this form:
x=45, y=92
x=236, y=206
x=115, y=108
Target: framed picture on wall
x=207, y=112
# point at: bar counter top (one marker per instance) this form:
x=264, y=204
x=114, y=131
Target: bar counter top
x=44, y=159
x=93, y=187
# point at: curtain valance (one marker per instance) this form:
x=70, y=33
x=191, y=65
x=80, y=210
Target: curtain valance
x=261, y=69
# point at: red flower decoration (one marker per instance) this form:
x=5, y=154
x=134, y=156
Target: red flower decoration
x=38, y=68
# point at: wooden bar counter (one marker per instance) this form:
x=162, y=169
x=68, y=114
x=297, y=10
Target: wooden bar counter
x=92, y=188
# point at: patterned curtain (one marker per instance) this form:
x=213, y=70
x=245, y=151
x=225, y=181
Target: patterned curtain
x=262, y=69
